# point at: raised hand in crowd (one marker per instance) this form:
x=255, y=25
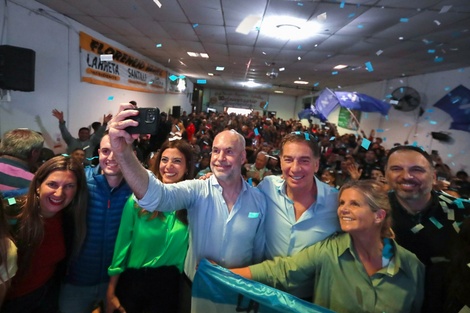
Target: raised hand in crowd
x=59, y=115
x=107, y=118
x=354, y=171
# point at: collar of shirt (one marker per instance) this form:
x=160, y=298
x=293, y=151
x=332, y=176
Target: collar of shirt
x=345, y=245
x=281, y=187
x=214, y=182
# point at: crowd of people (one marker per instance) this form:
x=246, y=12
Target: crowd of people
x=328, y=218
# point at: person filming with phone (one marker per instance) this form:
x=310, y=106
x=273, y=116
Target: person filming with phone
x=226, y=215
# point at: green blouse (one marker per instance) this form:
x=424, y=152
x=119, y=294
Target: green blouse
x=341, y=282
x=148, y=243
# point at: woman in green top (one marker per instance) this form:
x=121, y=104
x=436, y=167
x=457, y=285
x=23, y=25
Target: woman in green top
x=151, y=246
x=361, y=270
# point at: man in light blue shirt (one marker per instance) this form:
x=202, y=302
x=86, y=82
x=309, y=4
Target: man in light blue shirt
x=226, y=215
x=228, y=234
x=301, y=208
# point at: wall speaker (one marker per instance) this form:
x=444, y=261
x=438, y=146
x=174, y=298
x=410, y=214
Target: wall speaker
x=176, y=111
x=17, y=68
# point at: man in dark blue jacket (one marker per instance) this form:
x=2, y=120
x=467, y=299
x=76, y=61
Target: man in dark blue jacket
x=87, y=277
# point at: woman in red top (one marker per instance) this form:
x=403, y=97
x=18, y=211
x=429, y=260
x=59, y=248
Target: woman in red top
x=55, y=203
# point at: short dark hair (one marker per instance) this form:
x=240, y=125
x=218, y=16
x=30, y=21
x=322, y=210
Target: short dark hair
x=409, y=148
x=83, y=128
x=300, y=137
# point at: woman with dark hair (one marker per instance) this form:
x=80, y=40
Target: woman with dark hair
x=46, y=221
x=8, y=256
x=360, y=270
x=151, y=246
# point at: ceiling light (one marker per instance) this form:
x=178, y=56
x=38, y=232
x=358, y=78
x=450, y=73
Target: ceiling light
x=289, y=28
x=158, y=45
x=204, y=55
x=278, y=91
x=282, y=69
x=301, y=82
x=250, y=84
x=220, y=68
x=193, y=54
x=210, y=74
x=340, y=66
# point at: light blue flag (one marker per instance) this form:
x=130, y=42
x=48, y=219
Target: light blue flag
x=217, y=290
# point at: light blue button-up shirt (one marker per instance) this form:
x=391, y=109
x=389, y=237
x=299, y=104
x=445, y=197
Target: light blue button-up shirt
x=232, y=239
x=284, y=235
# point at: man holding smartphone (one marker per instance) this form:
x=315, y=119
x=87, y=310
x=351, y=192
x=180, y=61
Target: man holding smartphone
x=225, y=214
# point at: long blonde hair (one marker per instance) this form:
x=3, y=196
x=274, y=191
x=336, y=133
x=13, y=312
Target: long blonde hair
x=376, y=198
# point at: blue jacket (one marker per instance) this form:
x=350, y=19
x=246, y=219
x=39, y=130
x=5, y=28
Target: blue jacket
x=103, y=219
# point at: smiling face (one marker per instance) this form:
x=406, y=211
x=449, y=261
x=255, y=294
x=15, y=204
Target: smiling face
x=228, y=155
x=328, y=177
x=108, y=164
x=172, y=166
x=355, y=215
x=56, y=192
x=411, y=176
x=298, y=165
x=84, y=134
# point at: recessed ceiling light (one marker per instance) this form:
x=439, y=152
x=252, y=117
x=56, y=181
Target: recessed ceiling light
x=210, y=74
x=282, y=69
x=287, y=27
x=250, y=84
x=193, y=54
x=340, y=66
x=220, y=68
x=158, y=45
x=301, y=82
x=157, y=3
x=204, y=55
x=278, y=91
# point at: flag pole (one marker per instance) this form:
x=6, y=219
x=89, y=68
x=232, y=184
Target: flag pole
x=355, y=119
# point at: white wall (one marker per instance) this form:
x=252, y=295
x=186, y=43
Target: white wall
x=284, y=106
x=55, y=38
x=56, y=42
x=400, y=126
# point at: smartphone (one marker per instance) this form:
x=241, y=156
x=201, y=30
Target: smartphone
x=148, y=119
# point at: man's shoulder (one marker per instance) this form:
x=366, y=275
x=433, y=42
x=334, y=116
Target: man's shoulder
x=272, y=180
x=9, y=163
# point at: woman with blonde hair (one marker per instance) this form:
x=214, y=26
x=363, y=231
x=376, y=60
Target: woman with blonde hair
x=360, y=270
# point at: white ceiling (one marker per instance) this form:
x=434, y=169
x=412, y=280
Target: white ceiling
x=353, y=33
